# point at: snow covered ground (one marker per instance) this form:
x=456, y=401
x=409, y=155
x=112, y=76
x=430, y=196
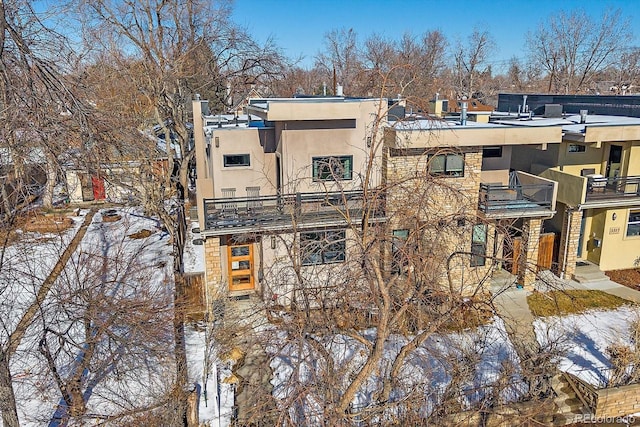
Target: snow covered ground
x=120, y=271
x=216, y=397
x=484, y=351
x=585, y=337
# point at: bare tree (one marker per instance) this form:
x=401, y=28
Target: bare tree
x=572, y=47
x=106, y=334
x=471, y=62
x=410, y=67
x=180, y=49
x=42, y=109
x=342, y=59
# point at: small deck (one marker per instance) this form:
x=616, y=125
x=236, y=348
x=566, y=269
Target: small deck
x=510, y=201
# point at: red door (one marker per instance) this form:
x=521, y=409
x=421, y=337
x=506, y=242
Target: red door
x=98, y=188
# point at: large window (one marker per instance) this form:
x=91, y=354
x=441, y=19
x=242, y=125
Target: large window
x=235, y=160
x=479, y=245
x=322, y=247
x=399, y=249
x=446, y=164
x=333, y=168
x=633, y=225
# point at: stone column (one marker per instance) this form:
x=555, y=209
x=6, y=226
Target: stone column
x=569, y=241
x=212, y=270
x=528, y=261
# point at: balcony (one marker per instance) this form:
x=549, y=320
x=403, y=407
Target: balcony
x=618, y=188
x=526, y=196
x=281, y=212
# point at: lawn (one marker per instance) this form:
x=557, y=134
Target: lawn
x=556, y=303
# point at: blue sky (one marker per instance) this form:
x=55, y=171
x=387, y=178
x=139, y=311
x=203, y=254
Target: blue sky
x=298, y=27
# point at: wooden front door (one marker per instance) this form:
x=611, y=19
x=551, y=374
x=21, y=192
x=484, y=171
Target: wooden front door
x=513, y=246
x=545, y=251
x=240, y=267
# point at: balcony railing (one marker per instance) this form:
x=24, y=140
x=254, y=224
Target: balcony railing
x=278, y=211
x=612, y=188
x=516, y=200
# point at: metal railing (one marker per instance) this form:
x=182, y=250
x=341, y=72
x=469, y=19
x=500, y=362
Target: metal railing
x=612, y=188
x=495, y=198
x=232, y=212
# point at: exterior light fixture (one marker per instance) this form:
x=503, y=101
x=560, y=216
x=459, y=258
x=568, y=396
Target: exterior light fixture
x=217, y=141
x=368, y=142
x=273, y=242
x=614, y=216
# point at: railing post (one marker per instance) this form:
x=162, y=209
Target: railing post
x=298, y=205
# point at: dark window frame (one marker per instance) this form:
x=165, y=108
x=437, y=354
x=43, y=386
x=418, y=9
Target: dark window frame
x=633, y=224
x=447, y=169
x=332, y=168
x=242, y=163
x=399, y=248
x=478, y=245
x=579, y=148
x=494, y=151
x=322, y=247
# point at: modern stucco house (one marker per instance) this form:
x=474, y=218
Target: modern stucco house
x=289, y=190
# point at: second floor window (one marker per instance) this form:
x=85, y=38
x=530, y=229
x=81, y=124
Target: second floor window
x=332, y=168
x=235, y=160
x=446, y=164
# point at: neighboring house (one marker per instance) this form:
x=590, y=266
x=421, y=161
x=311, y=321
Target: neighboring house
x=597, y=167
x=122, y=178
x=496, y=203
x=238, y=107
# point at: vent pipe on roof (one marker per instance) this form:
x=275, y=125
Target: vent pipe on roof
x=463, y=115
x=324, y=89
x=339, y=90
x=583, y=116
x=437, y=95
x=197, y=97
x=525, y=107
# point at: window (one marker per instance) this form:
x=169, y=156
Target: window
x=235, y=160
x=478, y=245
x=322, y=247
x=633, y=225
x=446, y=164
x=577, y=148
x=492, y=152
x=399, y=260
x=332, y=168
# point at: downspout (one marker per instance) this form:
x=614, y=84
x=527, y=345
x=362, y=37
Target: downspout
x=568, y=211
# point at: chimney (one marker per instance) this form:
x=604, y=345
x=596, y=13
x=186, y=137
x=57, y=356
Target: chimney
x=463, y=115
x=583, y=116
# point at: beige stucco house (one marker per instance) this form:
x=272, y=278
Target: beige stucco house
x=281, y=200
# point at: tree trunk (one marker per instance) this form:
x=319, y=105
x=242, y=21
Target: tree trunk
x=52, y=176
x=7, y=397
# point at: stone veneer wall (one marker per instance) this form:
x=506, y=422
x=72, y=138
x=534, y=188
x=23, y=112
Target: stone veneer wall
x=573, y=236
x=527, y=268
x=413, y=196
x=212, y=269
x=618, y=401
